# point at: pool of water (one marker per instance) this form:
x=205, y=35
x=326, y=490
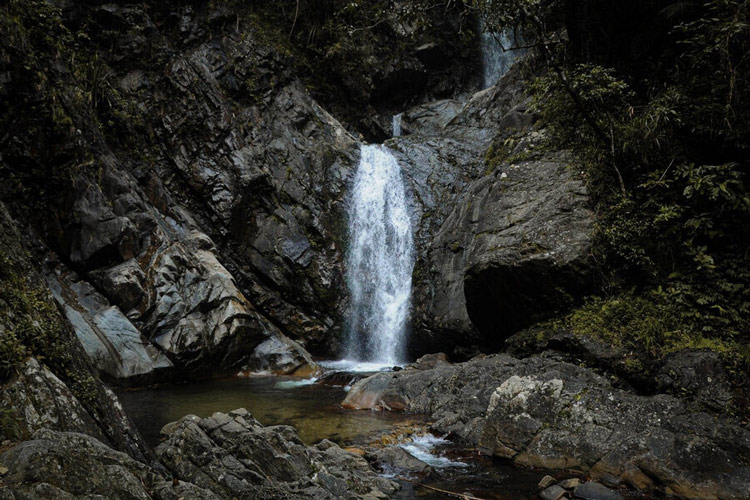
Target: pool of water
x=312, y=408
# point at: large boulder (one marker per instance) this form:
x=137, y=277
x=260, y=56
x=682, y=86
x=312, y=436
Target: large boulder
x=525, y=235
x=234, y=456
x=111, y=341
x=544, y=413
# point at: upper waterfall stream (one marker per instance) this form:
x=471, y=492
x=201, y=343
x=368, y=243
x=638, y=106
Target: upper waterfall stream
x=379, y=261
x=498, y=54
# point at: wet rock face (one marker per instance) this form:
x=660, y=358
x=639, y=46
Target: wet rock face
x=550, y=414
x=498, y=247
x=234, y=456
x=527, y=236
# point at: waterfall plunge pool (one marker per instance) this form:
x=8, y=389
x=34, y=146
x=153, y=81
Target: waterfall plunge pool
x=313, y=408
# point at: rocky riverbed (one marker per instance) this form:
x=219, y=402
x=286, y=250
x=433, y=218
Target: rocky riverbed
x=550, y=414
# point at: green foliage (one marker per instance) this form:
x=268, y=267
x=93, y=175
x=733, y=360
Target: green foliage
x=524, y=16
x=29, y=322
x=663, y=140
x=714, y=63
x=653, y=323
x=11, y=426
x=627, y=319
x=338, y=47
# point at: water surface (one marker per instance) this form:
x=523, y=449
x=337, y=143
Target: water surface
x=311, y=408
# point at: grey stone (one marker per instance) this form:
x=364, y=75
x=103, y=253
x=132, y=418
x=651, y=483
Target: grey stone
x=554, y=492
x=63, y=393
x=396, y=458
x=596, y=491
x=430, y=361
x=124, y=284
x=111, y=341
x=508, y=242
x=430, y=118
x=699, y=375
x=69, y=465
x=546, y=482
x=39, y=399
x=571, y=483
x=281, y=356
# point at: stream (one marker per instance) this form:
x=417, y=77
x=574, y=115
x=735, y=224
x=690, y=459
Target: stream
x=313, y=409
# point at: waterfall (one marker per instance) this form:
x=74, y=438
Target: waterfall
x=380, y=260
x=396, y=125
x=497, y=56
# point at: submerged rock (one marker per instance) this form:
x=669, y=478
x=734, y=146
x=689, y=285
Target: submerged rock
x=555, y=415
x=595, y=491
x=395, y=458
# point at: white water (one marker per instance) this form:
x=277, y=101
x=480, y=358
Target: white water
x=498, y=54
x=396, y=125
x=380, y=260
x=293, y=384
x=356, y=366
x=424, y=448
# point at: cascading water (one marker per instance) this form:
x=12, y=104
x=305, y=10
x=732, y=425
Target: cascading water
x=396, y=125
x=379, y=261
x=498, y=54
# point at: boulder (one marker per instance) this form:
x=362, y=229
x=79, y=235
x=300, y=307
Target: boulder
x=553, y=492
x=429, y=361
x=546, y=482
x=516, y=248
x=111, y=341
x=527, y=255
x=499, y=245
x=281, y=356
x=233, y=455
x=571, y=483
